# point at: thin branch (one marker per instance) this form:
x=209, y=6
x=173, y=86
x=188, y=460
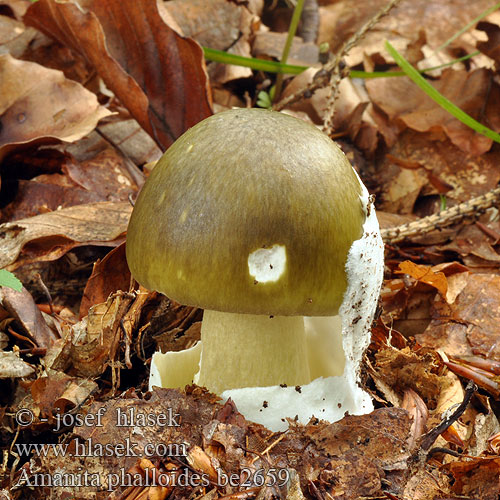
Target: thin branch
x=324, y=76
x=442, y=219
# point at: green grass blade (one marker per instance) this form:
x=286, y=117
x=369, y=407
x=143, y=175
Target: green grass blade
x=438, y=97
x=252, y=62
x=277, y=67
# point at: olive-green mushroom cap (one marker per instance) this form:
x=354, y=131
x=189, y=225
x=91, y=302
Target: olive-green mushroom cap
x=243, y=189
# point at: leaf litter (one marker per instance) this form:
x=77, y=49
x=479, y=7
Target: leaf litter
x=76, y=343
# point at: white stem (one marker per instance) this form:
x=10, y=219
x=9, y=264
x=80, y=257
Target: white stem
x=247, y=350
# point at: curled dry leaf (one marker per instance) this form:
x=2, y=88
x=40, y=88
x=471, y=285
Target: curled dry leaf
x=161, y=80
x=12, y=366
x=475, y=244
x=98, y=341
x=38, y=103
x=49, y=236
x=108, y=275
x=58, y=393
x=15, y=38
x=21, y=307
x=217, y=24
x=417, y=409
x=425, y=274
x=105, y=176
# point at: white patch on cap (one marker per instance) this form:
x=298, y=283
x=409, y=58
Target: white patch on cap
x=267, y=264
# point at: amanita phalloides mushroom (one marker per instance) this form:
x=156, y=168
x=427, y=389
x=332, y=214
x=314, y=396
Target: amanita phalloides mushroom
x=258, y=218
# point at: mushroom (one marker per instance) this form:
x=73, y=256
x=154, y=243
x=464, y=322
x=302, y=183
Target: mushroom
x=258, y=218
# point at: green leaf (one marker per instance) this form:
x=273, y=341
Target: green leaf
x=9, y=280
x=439, y=98
x=264, y=100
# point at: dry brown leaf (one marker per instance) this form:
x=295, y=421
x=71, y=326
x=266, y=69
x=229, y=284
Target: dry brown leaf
x=131, y=140
x=469, y=175
x=57, y=393
x=18, y=7
x=368, y=433
x=39, y=103
x=217, y=24
x=472, y=92
x=151, y=77
x=49, y=236
x=22, y=307
x=104, y=174
x=491, y=47
x=437, y=21
x=419, y=414
x=476, y=478
x=108, y=275
x=43, y=194
x=402, y=188
x=406, y=369
x=471, y=240
x=425, y=274
x=470, y=324
x=269, y=45
x=95, y=346
x=14, y=36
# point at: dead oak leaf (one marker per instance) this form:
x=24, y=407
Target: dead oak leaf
x=39, y=103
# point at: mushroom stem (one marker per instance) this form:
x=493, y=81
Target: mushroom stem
x=247, y=350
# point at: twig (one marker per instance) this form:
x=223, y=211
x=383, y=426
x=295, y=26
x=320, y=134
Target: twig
x=337, y=74
x=417, y=461
x=325, y=75
x=442, y=219
x=45, y=291
x=429, y=438
x=269, y=448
